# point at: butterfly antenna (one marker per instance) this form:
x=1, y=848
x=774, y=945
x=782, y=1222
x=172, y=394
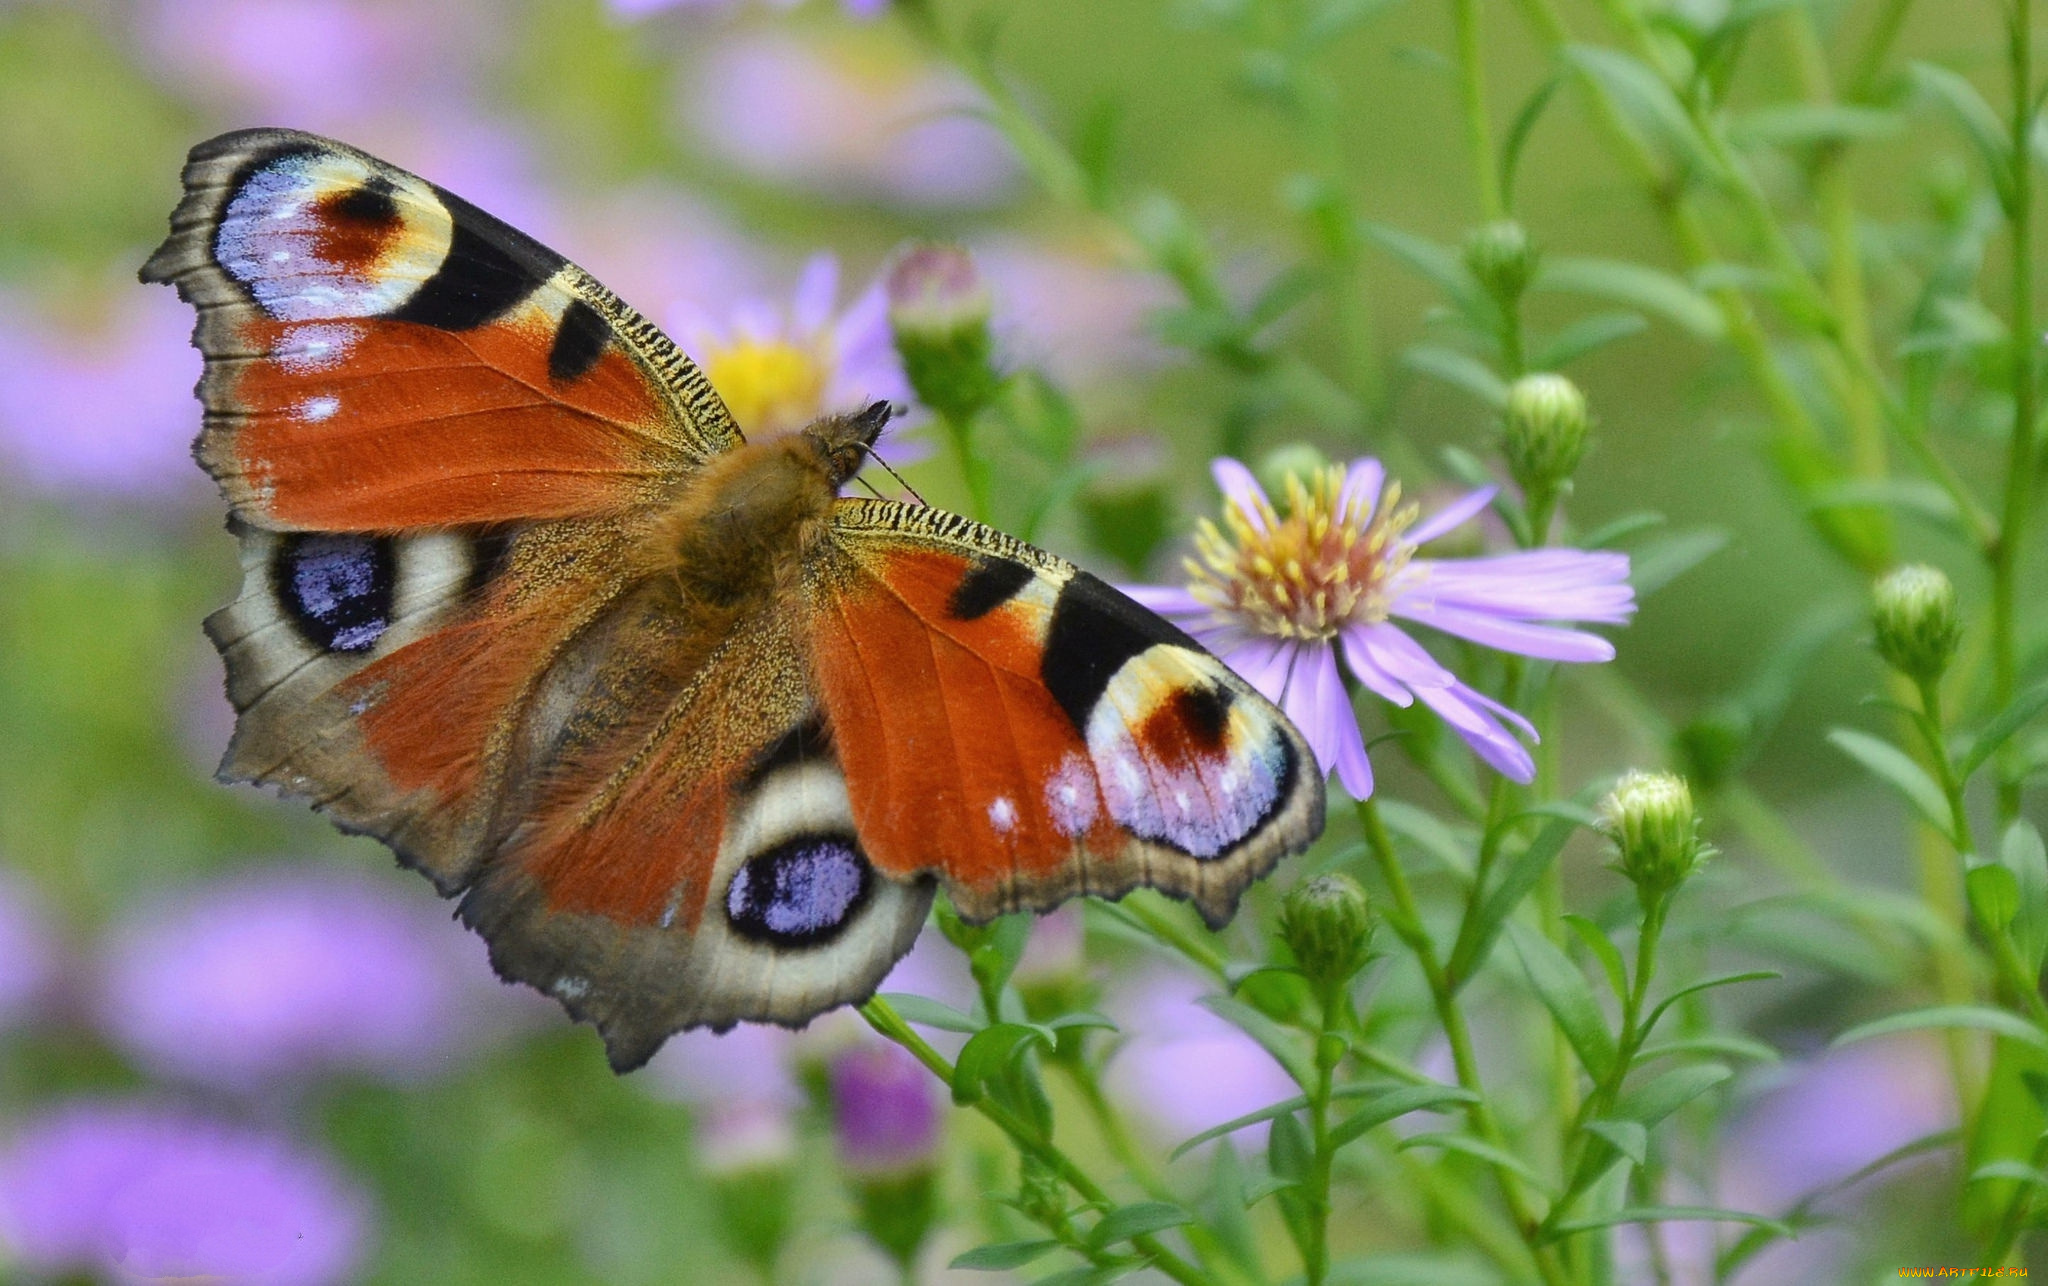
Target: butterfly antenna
x=899, y=477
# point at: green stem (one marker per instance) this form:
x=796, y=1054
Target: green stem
x=1933, y=733
x=1407, y=923
x=2019, y=472
x=1315, y=1256
x=1472, y=90
x=882, y=1016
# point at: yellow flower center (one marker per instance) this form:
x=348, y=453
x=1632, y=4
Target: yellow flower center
x=1308, y=575
x=772, y=387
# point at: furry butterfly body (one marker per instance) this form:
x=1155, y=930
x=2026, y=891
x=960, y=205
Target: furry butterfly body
x=693, y=737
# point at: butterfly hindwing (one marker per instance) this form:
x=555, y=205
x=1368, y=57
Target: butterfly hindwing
x=693, y=860
x=1023, y=731
x=383, y=356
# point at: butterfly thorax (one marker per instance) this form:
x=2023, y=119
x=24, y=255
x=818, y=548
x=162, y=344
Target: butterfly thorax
x=741, y=527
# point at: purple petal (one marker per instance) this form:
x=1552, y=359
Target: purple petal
x=1265, y=664
x=863, y=328
x=1354, y=769
x=1546, y=642
x=816, y=291
x=1459, y=706
x=1358, y=656
x=1403, y=660
x=1360, y=495
x=1240, y=488
x=1165, y=599
x=1317, y=704
x=1454, y=515
x=1552, y=584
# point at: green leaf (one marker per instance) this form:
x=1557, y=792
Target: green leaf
x=1518, y=133
x=1805, y=124
x=1980, y=124
x=1381, y=1108
x=1288, y=1152
x=926, y=1012
x=988, y=1052
x=1660, y=1097
x=1637, y=286
x=1648, y=101
x=1584, y=336
x=1460, y=370
x=2021, y=852
x=1236, y=1123
x=1994, y=894
x=2000, y=729
x=1467, y=1146
x=1659, y=562
x=1084, y=1018
x=1429, y=833
x=1630, y=1138
x=1287, y=1048
x=1002, y=1256
x=1896, y=769
x=1610, y=534
x=1482, y=924
x=1604, y=951
x=1667, y=1214
x=1443, y=266
x=1907, y=494
x=1563, y=991
x=2012, y=1169
x=1137, y=1220
x=1707, y=984
x=1979, y=1017
x=1722, y=1046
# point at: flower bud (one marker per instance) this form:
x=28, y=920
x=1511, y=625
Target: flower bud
x=1650, y=818
x=1500, y=257
x=886, y=1115
x=1297, y=461
x=938, y=312
x=1327, y=924
x=1543, y=432
x=1913, y=610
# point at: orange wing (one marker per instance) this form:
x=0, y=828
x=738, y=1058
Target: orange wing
x=1018, y=728
x=383, y=356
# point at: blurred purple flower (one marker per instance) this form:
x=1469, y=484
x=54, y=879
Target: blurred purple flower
x=137, y=1192
x=288, y=972
x=28, y=949
x=1278, y=598
x=107, y=412
x=1076, y=313
x=631, y=9
x=328, y=65
x=1833, y=1116
x=848, y=120
x=1183, y=1068
x=707, y=1069
x=780, y=368
x=656, y=248
x=886, y=1113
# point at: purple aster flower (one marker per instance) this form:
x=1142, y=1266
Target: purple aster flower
x=318, y=64
x=779, y=368
x=1072, y=309
x=133, y=1192
x=28, y=949
x=848, y=121
x=1181, y=1067
x=1280, y=598
x=886, y=1112
x=105, y=412
x=287, y=972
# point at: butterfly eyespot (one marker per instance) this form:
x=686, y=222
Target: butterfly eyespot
x=799, y=893
x=337, y=589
